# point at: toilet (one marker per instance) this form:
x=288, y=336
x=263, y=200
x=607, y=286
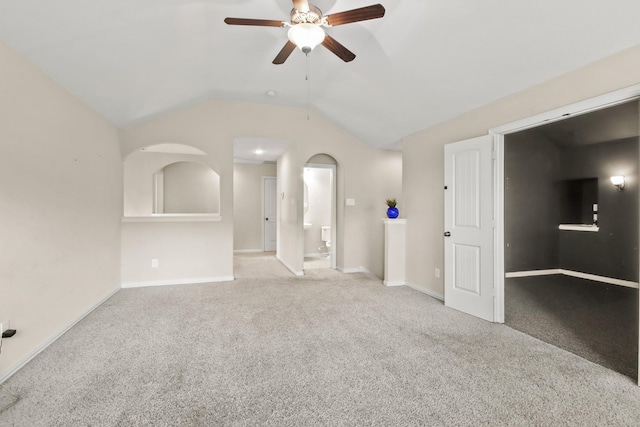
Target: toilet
x=326, y=237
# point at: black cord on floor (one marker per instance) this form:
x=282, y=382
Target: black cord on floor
x=16, y=397
x=8, y=391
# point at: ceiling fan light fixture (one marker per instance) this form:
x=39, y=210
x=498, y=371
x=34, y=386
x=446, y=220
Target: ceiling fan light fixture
x=306, y=36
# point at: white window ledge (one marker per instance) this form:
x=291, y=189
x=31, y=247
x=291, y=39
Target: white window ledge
x=579, y=227
x=174, y=218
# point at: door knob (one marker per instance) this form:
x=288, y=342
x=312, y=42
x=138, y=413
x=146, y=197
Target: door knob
x=266, y=219
x=447, y=234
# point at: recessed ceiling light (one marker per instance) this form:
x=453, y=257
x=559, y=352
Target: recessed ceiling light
x=271, y=93
x=258, y=151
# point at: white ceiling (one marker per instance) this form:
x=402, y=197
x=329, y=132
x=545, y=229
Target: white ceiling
x=424, y=62
x=258, y=150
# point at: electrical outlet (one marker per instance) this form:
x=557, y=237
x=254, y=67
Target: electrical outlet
x=437, y=272
x=154, y=263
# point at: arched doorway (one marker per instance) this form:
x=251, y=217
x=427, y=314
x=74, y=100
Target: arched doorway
x=319, y=208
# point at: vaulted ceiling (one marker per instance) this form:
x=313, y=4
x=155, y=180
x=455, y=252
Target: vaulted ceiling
x=426, y=61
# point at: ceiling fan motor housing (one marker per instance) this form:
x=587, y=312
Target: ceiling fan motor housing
x=314, y=16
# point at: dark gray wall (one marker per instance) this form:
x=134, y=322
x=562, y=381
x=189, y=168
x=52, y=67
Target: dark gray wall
x=532, y=209
x=613, y=250
x=536, y=171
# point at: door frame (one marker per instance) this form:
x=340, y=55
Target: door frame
x=597, y=103
x=264, y=180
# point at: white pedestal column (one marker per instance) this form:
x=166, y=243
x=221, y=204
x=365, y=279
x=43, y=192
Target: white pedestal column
x=394, y=251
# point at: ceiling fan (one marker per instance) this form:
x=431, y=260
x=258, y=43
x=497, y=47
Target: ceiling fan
x=305, y=28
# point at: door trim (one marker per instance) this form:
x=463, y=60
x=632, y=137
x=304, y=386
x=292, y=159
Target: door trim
x=264, y=179
x=596, y=103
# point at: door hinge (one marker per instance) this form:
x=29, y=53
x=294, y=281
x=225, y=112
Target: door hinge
x=493, y=154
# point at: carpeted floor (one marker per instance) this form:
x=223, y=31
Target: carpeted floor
x=325, y=349
x=594, y=320
x=316, y=262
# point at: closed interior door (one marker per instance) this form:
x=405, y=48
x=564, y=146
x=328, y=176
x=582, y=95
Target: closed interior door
x=468, y=242
x=270, y=200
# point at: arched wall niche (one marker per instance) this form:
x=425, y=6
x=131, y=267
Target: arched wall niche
x=170, y=178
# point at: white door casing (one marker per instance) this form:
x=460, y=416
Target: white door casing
x=469, y=227
x=270, y=213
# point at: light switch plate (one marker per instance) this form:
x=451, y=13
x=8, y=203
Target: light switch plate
x=350, y=202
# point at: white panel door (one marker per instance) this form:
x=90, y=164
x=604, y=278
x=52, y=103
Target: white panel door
x=270, y=201
x=469, y=227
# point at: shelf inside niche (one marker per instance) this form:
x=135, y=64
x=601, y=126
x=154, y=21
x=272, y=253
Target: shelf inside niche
x=579, y=227
x=173, y=218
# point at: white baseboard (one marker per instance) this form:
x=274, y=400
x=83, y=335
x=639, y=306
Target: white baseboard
x=194, y=281
x=16, y=367
x=297, y=273
x=392, y=283
x=533, y=273
x=609, y=280
x=247, y=251
x=424, y=291
x=580, y=275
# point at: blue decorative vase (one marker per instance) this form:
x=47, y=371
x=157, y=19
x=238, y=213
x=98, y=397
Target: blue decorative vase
x=392, y=213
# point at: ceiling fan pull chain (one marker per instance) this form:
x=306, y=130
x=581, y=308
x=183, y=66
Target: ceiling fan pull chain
x=308, y=89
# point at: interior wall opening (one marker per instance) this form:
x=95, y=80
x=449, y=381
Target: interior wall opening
x=254, y=175
x=169, y=178
x=571, y=236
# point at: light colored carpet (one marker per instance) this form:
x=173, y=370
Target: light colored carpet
x=324, y=349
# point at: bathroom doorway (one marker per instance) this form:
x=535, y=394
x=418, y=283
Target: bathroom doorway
x=319, y=207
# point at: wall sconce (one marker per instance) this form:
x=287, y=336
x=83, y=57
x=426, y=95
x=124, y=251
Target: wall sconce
x=618, y=182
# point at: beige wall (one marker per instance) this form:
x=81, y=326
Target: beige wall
x=423, y=152
x=190, y=187
x=186, y=251
x=61, y=198
x=367, y=175
x=247, y=205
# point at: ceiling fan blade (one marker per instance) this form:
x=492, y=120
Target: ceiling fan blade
x=255, y=22
x=342, y=52
x=356, y=15
x=301, y=5
x=284, y=53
